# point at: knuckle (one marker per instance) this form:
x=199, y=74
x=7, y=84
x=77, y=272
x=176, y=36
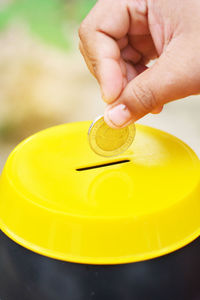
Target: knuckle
x=82, y=30
x=144, y=96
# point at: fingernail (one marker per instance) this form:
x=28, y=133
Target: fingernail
x=107, y=96
x=103, y=95
x=119, y=115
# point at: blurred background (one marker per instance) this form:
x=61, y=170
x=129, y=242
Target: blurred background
x=44, y=80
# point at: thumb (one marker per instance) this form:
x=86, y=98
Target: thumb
x=168, y=79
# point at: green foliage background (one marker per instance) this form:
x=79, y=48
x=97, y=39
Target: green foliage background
x=50, y=20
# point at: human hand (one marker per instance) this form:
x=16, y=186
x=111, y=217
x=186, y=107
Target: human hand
x=118, y=38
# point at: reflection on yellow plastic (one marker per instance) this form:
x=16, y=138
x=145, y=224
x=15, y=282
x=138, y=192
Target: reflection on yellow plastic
x=143, y=208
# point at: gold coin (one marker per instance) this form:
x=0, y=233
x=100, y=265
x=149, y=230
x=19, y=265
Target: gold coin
x=107, y=141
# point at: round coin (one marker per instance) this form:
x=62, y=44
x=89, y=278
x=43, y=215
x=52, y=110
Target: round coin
x=107, y=141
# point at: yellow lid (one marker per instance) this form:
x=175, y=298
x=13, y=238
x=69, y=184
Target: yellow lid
x=145, y=206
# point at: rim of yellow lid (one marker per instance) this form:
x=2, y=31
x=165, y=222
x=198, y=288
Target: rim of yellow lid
x=61, y=200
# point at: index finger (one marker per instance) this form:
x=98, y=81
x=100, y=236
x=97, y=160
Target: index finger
x=99, y=32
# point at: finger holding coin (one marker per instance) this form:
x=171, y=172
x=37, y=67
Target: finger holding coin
x=107, y=141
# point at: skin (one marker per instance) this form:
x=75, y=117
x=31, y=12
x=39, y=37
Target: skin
x=119, y=37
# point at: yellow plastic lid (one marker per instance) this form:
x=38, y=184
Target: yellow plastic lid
x=60, y=199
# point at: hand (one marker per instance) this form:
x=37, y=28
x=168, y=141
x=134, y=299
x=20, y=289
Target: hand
x=119, y=37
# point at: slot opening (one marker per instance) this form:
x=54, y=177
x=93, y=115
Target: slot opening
x=103, y=165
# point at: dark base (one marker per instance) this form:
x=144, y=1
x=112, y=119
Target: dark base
x=25, y=275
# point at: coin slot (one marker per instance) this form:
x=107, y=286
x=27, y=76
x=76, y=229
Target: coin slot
x=104, y=165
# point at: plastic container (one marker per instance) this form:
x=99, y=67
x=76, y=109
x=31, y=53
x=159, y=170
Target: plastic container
x=78, y=226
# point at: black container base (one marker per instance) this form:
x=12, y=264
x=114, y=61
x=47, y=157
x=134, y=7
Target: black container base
x=25, y=275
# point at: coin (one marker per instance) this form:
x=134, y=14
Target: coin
x=107, y=141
